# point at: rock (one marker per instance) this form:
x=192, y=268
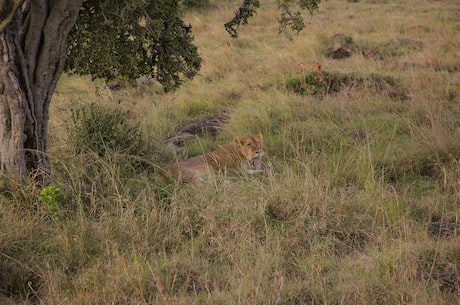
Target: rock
x=114, y=85
x=372, y=54
x=210, y=124
x=179, y=139
x=341, y=50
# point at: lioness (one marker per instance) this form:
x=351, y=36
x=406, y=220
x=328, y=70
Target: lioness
x=230, y=155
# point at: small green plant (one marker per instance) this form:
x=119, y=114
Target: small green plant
x=51, y=198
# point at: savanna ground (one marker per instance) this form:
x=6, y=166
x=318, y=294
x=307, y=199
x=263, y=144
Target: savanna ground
x=360, y=203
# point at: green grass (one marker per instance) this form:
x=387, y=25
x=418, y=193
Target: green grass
x=360, y=167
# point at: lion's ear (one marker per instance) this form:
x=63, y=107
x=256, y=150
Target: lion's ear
x=259, y=135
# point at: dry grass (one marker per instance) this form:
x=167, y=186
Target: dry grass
x=360, y=204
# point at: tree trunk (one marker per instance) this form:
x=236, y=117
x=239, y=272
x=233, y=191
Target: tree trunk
x=7, y=10
x=12, y=112
x=32, y=54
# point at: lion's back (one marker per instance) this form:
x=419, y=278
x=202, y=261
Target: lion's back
x=187, y=170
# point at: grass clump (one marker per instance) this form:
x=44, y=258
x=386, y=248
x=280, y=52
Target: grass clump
x=99, y=128
x=400, y=46
x=107, y=140
x=332, y=83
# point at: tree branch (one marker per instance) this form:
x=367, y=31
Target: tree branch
x=242, y=15
x=287, y=11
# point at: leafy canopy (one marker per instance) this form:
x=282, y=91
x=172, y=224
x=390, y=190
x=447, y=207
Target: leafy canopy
x=124, y=39
x=291, y=16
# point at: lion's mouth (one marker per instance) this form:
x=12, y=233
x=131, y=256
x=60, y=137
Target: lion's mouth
x=256, y=163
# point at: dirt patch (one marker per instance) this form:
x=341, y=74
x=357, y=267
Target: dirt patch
x=443, y=228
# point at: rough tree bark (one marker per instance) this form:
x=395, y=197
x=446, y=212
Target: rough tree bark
x=32, y=54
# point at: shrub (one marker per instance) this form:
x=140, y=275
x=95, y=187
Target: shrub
x=100, y=129
x=310, y=84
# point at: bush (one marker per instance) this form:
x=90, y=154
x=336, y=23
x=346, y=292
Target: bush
x=310, y=84
x=102, y=129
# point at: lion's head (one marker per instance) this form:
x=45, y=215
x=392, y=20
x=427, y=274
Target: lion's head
x=251, y=148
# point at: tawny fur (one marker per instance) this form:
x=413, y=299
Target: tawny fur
x=231, y=155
